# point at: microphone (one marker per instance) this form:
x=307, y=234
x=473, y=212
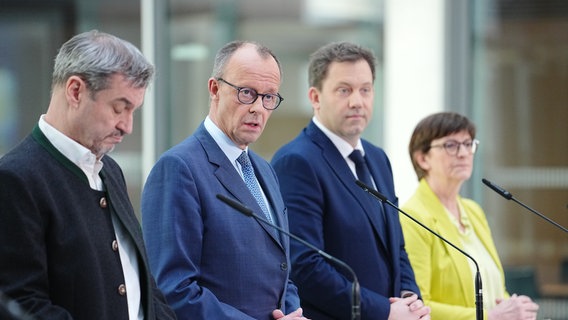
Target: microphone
x=507, y=195
x=478, y=285
x=356, y=290
x=10, y=309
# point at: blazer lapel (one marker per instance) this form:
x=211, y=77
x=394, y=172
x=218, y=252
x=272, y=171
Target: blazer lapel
x=339, y=167
x=120, y=205
x=230, y=178
x=272, y=192
x=386, y=212
x=450, y=233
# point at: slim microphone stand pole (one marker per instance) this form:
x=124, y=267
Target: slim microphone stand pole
x=478, y=284
x=507, y=195
x=539, y=214
x=355, y=288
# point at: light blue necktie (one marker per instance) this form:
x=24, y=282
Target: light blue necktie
x=252, y=183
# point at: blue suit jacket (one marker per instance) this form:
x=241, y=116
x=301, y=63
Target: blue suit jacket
x=211, y=261
x=329, y=210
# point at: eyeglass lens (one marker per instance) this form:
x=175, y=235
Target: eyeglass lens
x=453, y=146
x=249, y=96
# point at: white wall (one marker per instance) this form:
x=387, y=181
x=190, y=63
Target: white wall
x=414, y=78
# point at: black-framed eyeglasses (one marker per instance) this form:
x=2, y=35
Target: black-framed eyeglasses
x=270, y=101
x=452, y=147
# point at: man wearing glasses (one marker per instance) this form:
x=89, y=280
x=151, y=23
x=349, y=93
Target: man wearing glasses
x=211, y=261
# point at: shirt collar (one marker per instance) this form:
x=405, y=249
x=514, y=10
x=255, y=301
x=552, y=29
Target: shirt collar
x=71, y=149
x=229, y=148
x=343, y=146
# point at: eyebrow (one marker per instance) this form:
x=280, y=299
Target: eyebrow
x=125, y=100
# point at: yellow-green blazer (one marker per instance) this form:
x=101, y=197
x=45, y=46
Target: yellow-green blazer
x=443, y=273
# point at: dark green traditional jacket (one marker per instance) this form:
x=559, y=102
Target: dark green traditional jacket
x=58, y=254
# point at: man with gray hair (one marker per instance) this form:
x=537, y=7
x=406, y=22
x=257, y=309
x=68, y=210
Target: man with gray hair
x=72, y=247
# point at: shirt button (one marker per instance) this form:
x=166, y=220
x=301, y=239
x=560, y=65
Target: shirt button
x=115, y=245
x=103, y=202
x=122, y=290
x=284, y=266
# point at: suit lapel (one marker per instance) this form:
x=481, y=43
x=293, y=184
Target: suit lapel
x=376, y=166
x=230, y=178
x=120, y=205
x=450, y=233
x=339, y=167
x=271, y=191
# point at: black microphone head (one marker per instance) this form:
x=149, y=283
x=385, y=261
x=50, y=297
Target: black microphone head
x=362, y=185
x=372, y=191
x=236, y=205
x=504, y=193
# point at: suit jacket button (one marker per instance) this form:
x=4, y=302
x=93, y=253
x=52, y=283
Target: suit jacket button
x=284, y=266
x=115, y=245
x=122, y=290
x=103, y=202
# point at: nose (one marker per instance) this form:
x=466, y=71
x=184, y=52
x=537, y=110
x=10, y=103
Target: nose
x=125, y=124
x=462, y=150
x=355, y=100
x=256, y=106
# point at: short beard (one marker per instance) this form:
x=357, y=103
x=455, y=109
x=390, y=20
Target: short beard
x=99, y=151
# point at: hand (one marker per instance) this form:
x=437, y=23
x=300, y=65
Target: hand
x=514, y=308
x=408, y=308
x=296, y=315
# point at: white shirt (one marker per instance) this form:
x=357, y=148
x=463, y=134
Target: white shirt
x=492, y=281
x=89, y=164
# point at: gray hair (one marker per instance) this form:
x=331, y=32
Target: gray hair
x=96, y=56
x=226, y=52
x=336, y=52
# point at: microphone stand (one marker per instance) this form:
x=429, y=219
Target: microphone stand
x=478, y=285
x=355, y=288
x=507, y=195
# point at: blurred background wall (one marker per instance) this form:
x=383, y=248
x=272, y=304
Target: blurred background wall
x=503, y=63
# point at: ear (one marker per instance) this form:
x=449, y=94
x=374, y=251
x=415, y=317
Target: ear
x=314, y=96
x=75, y=88
x=213, y=86
x=422, y=160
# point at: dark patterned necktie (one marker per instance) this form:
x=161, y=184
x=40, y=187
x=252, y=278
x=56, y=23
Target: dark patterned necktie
x=361, y=168
x=364, y=175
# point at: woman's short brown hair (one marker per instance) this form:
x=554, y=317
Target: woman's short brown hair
x=435, y=126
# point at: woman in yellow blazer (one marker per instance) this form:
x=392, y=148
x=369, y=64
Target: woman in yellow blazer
x=442, y=147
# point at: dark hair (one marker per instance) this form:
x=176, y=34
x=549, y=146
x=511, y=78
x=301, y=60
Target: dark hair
x=226, y=52
x=336, y=52
x=435, y=126
x=96, y=56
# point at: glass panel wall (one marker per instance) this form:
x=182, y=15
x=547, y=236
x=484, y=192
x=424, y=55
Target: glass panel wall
x=519, y=91
x=520, y=102
x=293, y=29
x=188, y=33
x=31, y=32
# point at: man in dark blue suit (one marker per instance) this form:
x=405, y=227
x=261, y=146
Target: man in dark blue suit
x=211, y=261
x=317, y=178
